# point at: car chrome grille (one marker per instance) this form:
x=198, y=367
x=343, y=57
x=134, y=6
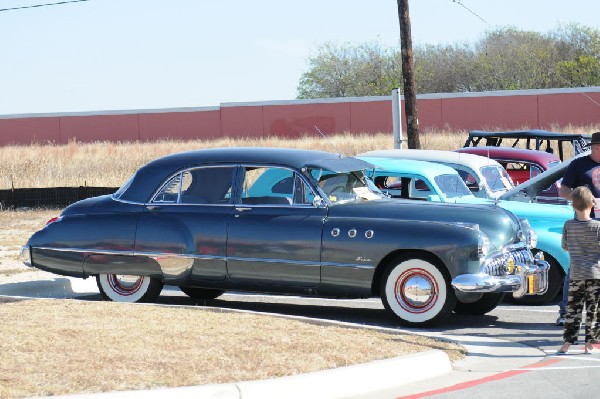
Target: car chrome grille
x=497, y=265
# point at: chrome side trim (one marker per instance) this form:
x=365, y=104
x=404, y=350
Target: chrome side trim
x=176, y=264
x=88, y=251
x=153, y=255
x=263, y=260
x=353, y=265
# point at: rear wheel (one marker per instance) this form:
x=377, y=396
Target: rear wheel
x=201, y=293
x=123, y=288
x=486, y=303
x=416, y=289
x=556, y=277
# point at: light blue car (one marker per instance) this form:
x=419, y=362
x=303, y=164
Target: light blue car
x=429, y=181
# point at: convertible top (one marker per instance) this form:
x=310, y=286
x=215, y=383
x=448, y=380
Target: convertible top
x=534, y=140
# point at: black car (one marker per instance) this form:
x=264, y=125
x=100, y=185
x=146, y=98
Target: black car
x=291, y=222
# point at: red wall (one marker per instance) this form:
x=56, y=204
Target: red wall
x=535, y=109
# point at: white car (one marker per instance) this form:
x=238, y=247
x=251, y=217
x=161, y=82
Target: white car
x=485, y=177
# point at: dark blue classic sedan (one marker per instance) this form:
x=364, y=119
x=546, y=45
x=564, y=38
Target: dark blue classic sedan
x=290, y=222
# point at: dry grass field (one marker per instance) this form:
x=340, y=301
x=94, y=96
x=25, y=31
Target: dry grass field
x=56, y=347
x=109, y=164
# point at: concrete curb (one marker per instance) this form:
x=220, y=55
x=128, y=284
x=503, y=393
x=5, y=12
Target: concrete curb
x=344, y=382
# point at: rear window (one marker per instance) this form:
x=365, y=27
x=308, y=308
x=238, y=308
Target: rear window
x=123, y=188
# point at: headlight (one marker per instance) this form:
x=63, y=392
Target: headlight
x=483, y=245
x=530, y=234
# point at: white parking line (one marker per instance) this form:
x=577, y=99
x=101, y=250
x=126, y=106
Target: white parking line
x=509, y=309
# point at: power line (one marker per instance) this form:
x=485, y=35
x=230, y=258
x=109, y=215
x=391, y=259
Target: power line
x=42, y=5
x=533, y=58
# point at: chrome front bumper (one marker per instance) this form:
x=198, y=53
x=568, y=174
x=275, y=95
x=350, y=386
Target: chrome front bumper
x=526, y=280
x=25, y=255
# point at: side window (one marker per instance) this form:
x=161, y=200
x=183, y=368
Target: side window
x=207, y=186
x=535, y=170
x=169, y=192
x=519, y=172
x=469, y=179
x=198, y=186
x=420, y=189
x=393, y=185
x=274, y=186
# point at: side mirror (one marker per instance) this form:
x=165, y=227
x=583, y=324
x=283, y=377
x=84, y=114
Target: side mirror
x=318, y=202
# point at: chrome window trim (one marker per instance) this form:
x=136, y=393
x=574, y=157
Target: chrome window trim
x=167, y=181
x=128, y=202
x=181, y=172
x=296, y=172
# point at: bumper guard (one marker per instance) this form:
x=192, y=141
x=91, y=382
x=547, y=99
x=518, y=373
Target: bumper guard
x=527, y=280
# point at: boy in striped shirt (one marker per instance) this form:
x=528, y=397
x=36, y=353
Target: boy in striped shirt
x=581, y=238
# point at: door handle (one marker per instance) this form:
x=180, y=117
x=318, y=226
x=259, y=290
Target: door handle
x=242, y=208
x=153, y=208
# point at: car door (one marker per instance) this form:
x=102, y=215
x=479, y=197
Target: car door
x=184, y=226
x=274, y=236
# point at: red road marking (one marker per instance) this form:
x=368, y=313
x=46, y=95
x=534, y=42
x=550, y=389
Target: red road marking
x=469, y=384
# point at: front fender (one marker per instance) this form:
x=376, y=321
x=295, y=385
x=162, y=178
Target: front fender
x=364, y=243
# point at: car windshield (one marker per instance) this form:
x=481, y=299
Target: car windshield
x=496, y=178
x=345, y=186
x=452, y=186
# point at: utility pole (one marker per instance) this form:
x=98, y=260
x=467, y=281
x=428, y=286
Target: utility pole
x=408, y=78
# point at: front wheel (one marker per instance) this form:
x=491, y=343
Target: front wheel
x=122, y=288
x=417, y=291
x=486, y=303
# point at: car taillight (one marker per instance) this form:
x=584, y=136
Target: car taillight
x=52, y=220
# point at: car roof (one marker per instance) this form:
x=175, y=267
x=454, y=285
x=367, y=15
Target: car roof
x=472, y=161
x=149, y=176
x=510, y=153
x=410, y=166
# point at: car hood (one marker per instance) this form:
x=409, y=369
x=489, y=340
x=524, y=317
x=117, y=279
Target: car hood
x=499, y=225
x=549, y=216
x=525, y=192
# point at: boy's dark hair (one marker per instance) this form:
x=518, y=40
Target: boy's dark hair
x=582, y=198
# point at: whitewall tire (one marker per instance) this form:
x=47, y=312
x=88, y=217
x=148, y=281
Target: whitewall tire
x=122, y=288
x=417, y=291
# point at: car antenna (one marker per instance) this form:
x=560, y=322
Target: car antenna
x=330, y=142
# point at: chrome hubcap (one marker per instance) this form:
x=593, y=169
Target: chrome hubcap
x=125, y=285
x=416, y=290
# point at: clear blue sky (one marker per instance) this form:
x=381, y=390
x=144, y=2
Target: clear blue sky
x=147, y=54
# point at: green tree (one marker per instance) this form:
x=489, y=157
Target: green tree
x=503, y=59
x=350, y=70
